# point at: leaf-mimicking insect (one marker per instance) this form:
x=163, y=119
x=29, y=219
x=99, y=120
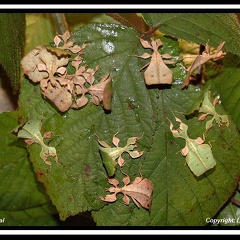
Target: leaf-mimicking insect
x=140, y=191
x=113, y=155
x=31, y=132
x=198, y=154
x=157, y=71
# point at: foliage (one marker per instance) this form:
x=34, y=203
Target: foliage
x=12, y=27
x=73, y=184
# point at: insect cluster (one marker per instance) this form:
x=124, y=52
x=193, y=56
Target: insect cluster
x=140, y=190
x=157, y=71
x=48, y=66
x=198, y=154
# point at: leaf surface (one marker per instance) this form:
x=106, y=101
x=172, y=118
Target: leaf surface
x=12, y=29
x=23, y=199
x=200, y=28
x=76, y=182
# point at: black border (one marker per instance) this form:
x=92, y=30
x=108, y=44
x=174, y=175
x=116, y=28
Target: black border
x=99, y=230
x=100, y=8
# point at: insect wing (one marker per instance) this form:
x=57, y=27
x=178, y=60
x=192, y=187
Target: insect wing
x=158, y=74
x=201, y=160
x=63, y=101
x=139, y=198
x=141, y=192
x=108, y=162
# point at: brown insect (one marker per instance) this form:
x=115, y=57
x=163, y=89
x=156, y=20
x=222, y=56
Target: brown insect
x=157, y=71
x=140, y=191
x=202, y=59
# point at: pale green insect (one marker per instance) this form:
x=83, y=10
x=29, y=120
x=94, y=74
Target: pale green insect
x=198, y=154
x=208, y=108
x=113, y=155
x=31, y=132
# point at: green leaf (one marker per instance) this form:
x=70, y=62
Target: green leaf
x=74, y=185
x=226, y=85
x=200, y=28
x=229, y=215
x=36, y=216
x=12, y=28
x=40, y=30
x=23, y=199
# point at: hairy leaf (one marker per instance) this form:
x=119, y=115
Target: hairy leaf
x=75, y=184
x=199, y=27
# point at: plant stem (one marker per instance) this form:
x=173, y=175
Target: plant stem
x=60, y=23
x=235, y=201
x=143, y=35
x=123, y=20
